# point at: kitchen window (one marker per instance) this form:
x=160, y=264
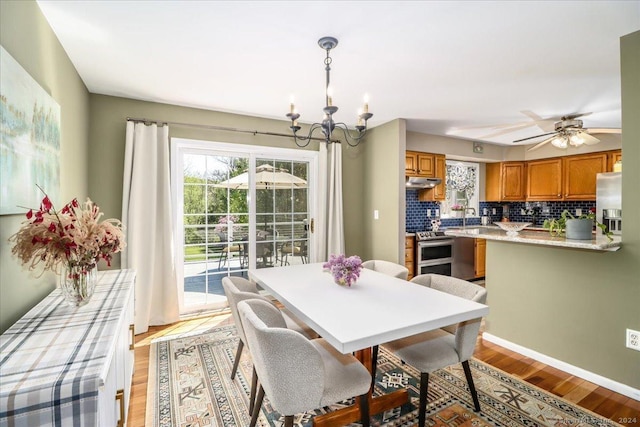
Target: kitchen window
x=463, y=188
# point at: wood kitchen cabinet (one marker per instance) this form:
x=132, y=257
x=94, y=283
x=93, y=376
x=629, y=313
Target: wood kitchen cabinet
x=612, y=158
x=419, y=164
x=580, y=171
x=409, y=255
x=480, y=247
x=544, y=179
x=439, y=192
x=505, y=181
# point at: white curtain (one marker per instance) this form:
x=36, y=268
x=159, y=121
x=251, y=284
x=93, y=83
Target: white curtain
x=146, y=215
x=329, y=224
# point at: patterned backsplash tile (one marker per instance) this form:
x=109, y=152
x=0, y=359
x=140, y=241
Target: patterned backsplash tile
x=534, y=212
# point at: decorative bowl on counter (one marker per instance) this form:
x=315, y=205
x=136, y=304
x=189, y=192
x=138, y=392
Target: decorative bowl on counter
x=512, y=228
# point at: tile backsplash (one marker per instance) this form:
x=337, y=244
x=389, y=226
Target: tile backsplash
x=417, y=219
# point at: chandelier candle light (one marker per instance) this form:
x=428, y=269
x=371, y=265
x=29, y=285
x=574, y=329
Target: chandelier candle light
x=328, y=125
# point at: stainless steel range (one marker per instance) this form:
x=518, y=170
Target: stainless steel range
x=434, y=253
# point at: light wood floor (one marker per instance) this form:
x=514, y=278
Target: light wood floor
x=617, y=407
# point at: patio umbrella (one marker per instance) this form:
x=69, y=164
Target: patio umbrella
x=266, y=177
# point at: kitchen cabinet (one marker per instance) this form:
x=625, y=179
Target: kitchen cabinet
x=544, y=179
x=409, y=254
x=505, y=181
x=612, y=158
x=439, y=192
x=580, y=171
x=480, y=248
x=419, y=164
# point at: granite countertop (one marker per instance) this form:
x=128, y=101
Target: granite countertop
x=536, y=236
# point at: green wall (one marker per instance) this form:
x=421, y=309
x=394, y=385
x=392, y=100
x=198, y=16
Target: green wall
x=384, y=191
x=575, y=305
x=26, y=35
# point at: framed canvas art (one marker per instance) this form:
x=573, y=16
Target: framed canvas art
x=30, y=140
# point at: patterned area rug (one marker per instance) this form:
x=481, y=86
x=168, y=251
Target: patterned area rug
x=190, y=386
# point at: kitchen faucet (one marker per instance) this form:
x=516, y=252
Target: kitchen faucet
x=464, y=215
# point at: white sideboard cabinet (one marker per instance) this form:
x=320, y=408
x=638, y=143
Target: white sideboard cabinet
x=67, y=366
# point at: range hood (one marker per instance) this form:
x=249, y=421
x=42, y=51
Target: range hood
x=421, y=182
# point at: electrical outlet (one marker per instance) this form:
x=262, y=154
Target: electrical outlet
x=578, y=212
x=493, y=211
x=633, y=339
x=438, y=212
x=428, y=212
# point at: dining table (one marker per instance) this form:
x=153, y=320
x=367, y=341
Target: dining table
x=376, y=309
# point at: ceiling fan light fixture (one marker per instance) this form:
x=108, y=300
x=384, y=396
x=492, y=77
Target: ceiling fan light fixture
x=560, y=141
x=576, y=139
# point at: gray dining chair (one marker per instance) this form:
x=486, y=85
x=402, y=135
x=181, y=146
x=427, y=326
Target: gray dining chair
x=438, y=349
x=239, y=289
x=297, y=374
x=387, y=267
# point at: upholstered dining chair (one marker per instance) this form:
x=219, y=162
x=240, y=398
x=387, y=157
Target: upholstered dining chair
x=297, y=374
x=239, y=289
x=388, y=268
x=438, y=349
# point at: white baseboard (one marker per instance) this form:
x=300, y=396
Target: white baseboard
x=566, y=367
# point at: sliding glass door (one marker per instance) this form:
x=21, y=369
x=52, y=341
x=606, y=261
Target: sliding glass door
x=236, y=208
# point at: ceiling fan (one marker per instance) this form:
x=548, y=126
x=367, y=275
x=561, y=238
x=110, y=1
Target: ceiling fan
x=569, y=131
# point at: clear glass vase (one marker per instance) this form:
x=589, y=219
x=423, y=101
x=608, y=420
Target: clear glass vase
x=78, y=283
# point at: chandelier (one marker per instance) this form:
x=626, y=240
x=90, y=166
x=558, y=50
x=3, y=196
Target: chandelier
x=328, y=125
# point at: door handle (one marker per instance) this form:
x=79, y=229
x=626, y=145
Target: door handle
x=312, y=225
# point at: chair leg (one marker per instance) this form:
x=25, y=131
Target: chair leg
x=422, y=407
x=237, y=361
x=472, y=387
x=288, y=421
x=374, y=366
x=256, y=408
x=254, y=387
x=364, y=409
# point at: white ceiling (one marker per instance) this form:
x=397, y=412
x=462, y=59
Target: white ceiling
x=458, y=68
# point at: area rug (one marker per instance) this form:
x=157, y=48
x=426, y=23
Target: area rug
x=190, y=386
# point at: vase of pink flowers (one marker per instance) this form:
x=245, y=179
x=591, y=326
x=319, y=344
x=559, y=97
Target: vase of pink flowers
x=345, y=270
x=69, y=242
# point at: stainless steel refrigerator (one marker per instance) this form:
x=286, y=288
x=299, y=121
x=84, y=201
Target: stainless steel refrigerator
x=609, y=200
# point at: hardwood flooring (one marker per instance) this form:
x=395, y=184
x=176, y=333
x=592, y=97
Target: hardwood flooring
x=619, y=408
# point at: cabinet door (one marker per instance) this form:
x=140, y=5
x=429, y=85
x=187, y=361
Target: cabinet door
x=580, y=175
x=409, y=255
x=544, y=179
x=480, y=257
x=426, y=166
x=411, y=163
x=439, y=192
x=612, y=158
x=513, y=181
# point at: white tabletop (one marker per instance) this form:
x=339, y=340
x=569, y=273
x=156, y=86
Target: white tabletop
x=376, y=309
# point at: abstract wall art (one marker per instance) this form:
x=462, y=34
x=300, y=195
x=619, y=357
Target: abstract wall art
x=29, y=140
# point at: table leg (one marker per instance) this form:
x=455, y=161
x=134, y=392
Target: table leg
x=377, y=404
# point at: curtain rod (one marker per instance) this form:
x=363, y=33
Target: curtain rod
x=213, y=127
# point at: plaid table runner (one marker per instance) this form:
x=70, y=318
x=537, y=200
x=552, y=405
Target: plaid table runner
x=54, y=359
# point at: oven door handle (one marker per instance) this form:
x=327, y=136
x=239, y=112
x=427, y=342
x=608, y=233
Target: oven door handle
x=432, y=243
x=437, y=261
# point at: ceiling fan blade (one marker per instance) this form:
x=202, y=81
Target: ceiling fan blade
x=575, y=116
x=540, y=144
x=506, y=131
x=533, y=137
x=588, y=139
x=603, y=130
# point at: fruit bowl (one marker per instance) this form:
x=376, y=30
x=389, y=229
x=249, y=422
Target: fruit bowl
x=512, y=228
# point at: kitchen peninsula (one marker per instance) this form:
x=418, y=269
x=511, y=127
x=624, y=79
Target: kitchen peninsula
x=599, y=242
